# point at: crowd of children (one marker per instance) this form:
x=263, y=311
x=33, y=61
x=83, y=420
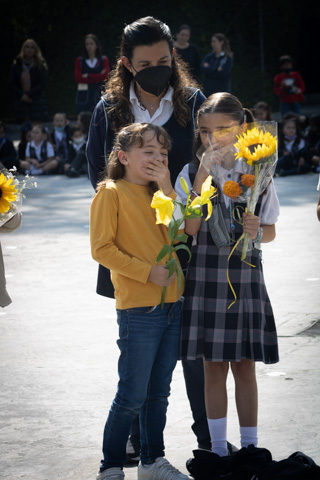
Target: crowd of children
x=41, y=151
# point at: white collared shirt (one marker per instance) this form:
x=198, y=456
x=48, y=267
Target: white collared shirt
x=160, y=116
x=270, y=208
x=50, y=151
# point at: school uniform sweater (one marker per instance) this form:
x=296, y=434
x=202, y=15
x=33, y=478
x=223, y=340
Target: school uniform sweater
x=126, y=239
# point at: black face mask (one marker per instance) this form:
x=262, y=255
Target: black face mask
x=154, y=79
x=287, y=70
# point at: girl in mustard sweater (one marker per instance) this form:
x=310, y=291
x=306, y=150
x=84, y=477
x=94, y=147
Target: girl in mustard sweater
x=126, y=239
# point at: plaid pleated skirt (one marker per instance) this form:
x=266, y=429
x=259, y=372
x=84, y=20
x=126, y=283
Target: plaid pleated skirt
x=209, y=329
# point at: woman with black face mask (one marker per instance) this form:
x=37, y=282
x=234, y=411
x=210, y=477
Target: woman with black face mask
x=289, y=86
x=149, y=85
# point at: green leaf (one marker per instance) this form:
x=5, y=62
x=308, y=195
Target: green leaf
x=172, y=266
x=183, y=247
x=166, y=249
x=183, y=237
x=172, y=230
x=179, y=275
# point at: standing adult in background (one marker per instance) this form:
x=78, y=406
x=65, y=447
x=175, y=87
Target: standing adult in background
x=216, y=66
x=289, y=86
x=187, y=51
x=28, y=80
x=91, y=70
x=150, y=85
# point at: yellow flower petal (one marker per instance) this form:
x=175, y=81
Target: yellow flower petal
x=209, y=210
x=163, y=206
x=7, y=193
x=255, y=145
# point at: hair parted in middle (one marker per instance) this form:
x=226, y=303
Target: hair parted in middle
x=145, y=31
x=226, y=104
x=127, y=138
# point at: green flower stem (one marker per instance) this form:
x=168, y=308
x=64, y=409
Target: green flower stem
x=165, y=288
x=251, y=207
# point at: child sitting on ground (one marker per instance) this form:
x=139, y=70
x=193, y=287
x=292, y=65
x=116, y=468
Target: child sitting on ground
x=77, y=160
x=60, y=138
x=40, y=153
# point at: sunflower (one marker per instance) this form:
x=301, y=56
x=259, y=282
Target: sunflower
x=232, y=189
x=255, y=145
x=247, y=180
x=8, y=193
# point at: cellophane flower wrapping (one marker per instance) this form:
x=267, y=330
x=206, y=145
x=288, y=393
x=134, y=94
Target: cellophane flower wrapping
x=16, y=187
x=249, y=150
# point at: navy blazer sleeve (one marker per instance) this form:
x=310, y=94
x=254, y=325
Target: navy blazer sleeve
x=97, y=147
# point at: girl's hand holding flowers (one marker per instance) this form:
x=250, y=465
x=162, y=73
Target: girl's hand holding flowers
x=251, y=224
x=159, y=276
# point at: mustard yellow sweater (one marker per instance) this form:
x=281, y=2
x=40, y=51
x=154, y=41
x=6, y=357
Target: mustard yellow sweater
x=125, y=239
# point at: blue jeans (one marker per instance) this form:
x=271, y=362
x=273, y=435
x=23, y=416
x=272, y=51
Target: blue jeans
x=148, y=343
x=286, y=107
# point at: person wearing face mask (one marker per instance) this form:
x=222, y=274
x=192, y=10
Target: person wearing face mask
x=77, y=160
x=289, y=87
x=149, y=85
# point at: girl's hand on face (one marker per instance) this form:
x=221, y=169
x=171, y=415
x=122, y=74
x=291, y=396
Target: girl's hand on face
x=159, y=276
x=251, y=224
x=158, y=171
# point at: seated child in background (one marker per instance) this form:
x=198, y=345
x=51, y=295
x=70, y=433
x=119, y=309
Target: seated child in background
x=77, y=160
x=293, y=151
x=8, y=154
x=59, y=137
x=40, y=156
x=262, y=112
x=313, y=139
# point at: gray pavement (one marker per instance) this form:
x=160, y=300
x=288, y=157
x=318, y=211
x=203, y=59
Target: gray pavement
x=58, y=353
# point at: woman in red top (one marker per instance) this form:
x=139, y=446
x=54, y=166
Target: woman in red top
x=91, y=70
x=289, y=86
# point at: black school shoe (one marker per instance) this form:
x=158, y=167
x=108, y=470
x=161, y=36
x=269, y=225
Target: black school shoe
x=206, y=445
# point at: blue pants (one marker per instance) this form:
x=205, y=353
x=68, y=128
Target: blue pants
x=148, y=343
x=286, y=107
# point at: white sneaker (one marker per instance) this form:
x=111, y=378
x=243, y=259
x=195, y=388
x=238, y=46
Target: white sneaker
x=161, y=469
x=114, y=473
x=35, y=171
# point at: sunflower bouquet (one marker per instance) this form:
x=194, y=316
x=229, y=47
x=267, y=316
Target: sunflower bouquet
x=11, y=193
x=257, y=148
x=173, y=214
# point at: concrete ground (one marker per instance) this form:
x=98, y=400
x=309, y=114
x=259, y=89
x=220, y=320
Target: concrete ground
x=58, y=353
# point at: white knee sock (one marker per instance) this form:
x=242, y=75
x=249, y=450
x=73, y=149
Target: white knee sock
x=218, y=434
x=248, y=436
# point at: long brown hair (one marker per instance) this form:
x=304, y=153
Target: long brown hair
x=128, y=137
x=145, y=31
x=39, y=61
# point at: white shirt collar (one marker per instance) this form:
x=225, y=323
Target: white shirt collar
x=160, y=116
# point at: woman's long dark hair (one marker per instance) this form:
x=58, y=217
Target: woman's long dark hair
x=145, y=31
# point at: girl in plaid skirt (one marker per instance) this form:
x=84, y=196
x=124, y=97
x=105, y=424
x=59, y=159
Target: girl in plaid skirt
x=245, y=333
